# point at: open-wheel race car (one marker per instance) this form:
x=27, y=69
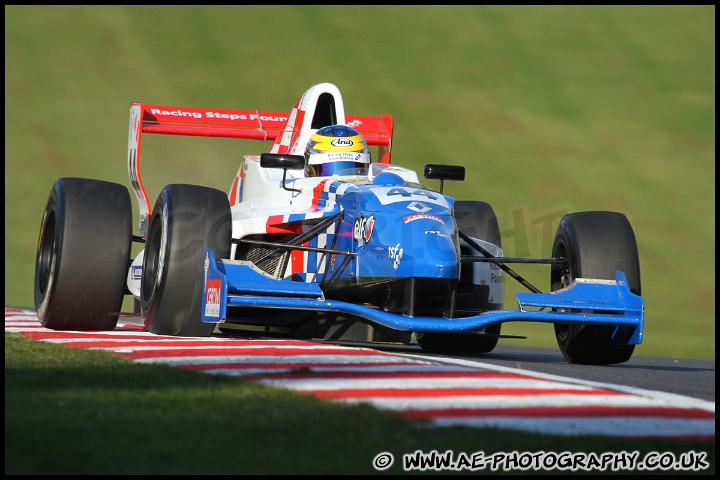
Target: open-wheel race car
x=318, y=240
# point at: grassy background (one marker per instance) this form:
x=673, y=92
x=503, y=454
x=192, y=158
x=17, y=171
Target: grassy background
x=551, y=109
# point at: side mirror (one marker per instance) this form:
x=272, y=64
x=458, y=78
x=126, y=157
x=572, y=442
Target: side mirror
x=286, y=162
x=279, y=160
x=444, y=172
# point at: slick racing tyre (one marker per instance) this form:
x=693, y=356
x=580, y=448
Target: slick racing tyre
x=186, y=219
x=83, y=255
x=477, y=220
x=596, y=244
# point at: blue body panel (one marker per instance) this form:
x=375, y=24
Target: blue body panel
x=397, y=230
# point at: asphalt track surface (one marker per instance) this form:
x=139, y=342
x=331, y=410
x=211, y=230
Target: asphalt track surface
x=516, y=388
x=679, y=376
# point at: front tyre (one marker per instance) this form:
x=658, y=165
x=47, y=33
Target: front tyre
x=477, y=220
x=186, y=219
x=596, y=244
x=83, y=255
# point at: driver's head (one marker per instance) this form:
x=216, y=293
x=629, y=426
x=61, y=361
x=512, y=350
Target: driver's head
x=336, y=150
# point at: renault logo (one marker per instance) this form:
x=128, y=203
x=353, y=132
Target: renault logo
x=419, y=207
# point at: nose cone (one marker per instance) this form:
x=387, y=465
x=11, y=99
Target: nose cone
x=434, y=255
x=428, y=248
x=401, y=230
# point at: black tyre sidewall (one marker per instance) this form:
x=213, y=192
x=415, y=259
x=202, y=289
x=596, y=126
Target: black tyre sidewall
x=597, y=244
x=478, y=220
x=83, y=255
x=190, y=218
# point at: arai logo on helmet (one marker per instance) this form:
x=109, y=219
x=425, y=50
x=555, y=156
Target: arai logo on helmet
x=342, y=142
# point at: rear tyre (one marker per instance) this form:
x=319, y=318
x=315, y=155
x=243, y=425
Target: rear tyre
x=186, y=219
x=596, y=244
x=477, y=220
x=83, y=255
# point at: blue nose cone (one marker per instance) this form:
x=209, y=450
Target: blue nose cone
x=435, y=255
x=425, y=249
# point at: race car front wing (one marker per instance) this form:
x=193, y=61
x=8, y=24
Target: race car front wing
x=584, y=301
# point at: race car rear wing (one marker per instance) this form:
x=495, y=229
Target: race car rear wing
x=245, y=124
x=248, y=124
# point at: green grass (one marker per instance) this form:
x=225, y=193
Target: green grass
x=83, y=412
x=552, y=110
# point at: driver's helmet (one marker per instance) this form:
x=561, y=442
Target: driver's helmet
x=336, y=150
